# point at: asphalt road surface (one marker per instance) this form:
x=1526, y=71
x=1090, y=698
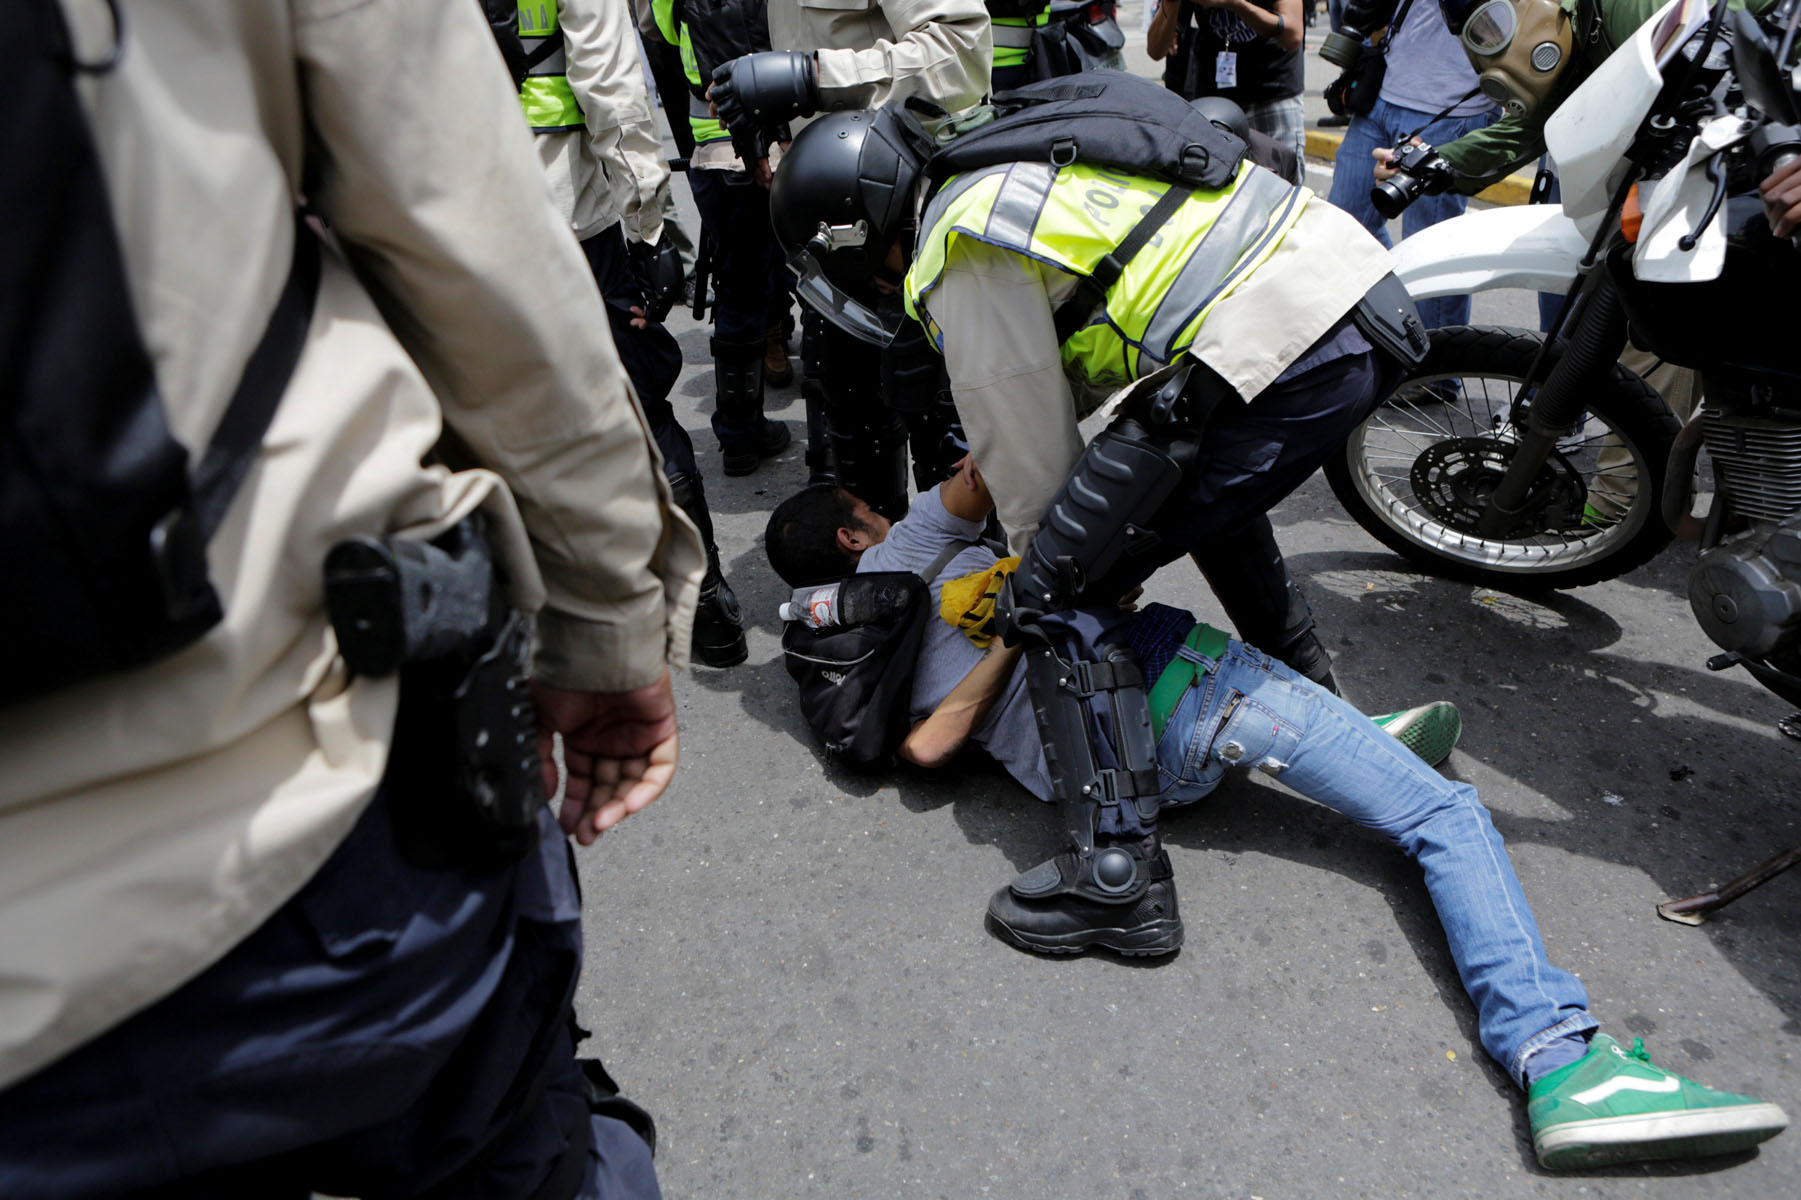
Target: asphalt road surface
x=788, y=964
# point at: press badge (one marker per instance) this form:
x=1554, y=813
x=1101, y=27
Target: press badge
x=1225, y=69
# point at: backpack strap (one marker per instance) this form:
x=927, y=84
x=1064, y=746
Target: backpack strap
x=1091, y=290
x=944, y=559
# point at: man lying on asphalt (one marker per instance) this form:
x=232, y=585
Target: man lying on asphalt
x=1218, y=703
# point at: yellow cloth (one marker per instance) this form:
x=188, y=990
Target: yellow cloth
x=968, y=603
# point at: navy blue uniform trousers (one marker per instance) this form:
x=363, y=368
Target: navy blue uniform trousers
x=375, y=1037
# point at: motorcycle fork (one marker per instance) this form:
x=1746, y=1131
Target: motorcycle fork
x=1597, y=338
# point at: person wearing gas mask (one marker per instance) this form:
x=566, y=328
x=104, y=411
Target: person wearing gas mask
x=1529, y=55
x=854, y=54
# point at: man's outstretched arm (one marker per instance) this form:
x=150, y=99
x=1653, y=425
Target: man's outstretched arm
x=936, y=740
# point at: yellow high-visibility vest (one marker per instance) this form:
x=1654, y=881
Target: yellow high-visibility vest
x=545, y=94
x=1072, y=217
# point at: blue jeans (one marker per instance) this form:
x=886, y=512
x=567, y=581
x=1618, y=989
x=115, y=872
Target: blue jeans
x=1250, y=710
x=1354, y=174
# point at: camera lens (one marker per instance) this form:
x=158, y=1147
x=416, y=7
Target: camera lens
x=1391, y=196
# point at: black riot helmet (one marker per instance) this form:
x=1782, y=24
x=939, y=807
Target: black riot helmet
x=1225, y=116
x=841, y=198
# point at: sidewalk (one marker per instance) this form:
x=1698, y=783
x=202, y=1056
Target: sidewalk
x=1322, y=144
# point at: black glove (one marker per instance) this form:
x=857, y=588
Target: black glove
x=757, y=92
x=658, y=272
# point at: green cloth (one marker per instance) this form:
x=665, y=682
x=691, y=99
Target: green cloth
x=1181, y=673
x=1483, y=156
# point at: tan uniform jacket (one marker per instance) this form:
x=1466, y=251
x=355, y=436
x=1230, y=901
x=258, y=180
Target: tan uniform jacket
x=611, y=170
x=1020, y=408
x=872, y=51
x=150, y=820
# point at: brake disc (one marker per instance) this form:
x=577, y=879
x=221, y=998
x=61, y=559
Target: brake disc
x=1453, y=480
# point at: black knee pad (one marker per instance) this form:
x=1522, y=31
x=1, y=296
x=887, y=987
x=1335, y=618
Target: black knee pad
x=1099, y=519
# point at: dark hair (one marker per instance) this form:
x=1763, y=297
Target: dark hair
x=801, y=539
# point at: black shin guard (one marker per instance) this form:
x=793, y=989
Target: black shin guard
x=1090, y=773
x=1094, y=543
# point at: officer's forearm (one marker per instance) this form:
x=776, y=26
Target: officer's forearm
x=935, y=740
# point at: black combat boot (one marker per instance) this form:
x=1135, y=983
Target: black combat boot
x=746, y=436
x=1121, y=899
x=718, y=624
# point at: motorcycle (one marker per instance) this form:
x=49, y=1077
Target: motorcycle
x=1669, y=240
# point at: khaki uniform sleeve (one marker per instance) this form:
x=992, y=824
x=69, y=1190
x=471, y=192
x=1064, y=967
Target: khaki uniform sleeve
x=441, y=208
x=607, y=76
x=942, y=50
x=1000, y=347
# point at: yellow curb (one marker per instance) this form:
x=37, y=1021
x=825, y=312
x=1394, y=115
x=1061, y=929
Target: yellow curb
x=1515, y=189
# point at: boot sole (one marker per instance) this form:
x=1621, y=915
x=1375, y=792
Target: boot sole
x=725, y=654
x=1696, y=1133
x=1143, y=941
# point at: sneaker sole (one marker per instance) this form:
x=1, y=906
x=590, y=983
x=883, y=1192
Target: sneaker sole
x=1430, y=738
x=1143, y=941
x=1696, y=1133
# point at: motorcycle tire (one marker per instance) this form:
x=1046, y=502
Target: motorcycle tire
x=1415, y=474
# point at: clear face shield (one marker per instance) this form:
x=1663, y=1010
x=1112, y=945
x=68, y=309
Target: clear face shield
x=1518, y=47
x=878, y=327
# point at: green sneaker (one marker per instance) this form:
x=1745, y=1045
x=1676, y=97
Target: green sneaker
x=1430, y=730
x=1597, y=519
x=1612, y=1107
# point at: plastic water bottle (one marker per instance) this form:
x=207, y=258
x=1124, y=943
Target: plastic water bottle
x=816, y=606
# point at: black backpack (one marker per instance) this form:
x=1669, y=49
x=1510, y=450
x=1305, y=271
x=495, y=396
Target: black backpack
x=856, y=677
x=1102, y=118
x=105, y=525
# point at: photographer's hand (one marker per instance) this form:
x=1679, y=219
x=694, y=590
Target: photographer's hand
x=619, y=749
x=1383, y=156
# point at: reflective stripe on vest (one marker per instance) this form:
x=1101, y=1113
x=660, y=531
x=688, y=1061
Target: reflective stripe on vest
x=1072, y=217
x=1013, y=37
x=706, y=128
x=545, y=94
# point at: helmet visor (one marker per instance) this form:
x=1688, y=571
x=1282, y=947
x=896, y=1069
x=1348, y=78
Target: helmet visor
x=819, y=293
x=1490, y=28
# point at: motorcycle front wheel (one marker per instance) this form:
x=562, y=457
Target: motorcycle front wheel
x=1417, y=474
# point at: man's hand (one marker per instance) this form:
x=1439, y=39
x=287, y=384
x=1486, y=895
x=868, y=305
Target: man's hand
x=619, y=749
x=1383, y=156
x=758, y=92
x=1782, y=198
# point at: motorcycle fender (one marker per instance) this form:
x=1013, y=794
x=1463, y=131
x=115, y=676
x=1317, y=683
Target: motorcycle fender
x=1533, y=246
x=1589, y=132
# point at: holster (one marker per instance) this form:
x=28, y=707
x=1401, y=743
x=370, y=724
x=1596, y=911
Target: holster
x=464, y=780
x=1387, y=317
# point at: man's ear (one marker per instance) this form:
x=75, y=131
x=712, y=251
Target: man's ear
x=852, y=541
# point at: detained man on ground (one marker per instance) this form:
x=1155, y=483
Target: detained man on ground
x=1217, y=704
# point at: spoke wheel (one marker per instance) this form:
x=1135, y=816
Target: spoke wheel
x=1418, y=473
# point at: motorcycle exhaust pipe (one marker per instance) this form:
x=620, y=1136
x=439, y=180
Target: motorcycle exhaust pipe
x=1679, y=483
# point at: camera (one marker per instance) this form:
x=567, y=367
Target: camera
x=1420, y=171
x=1361, y=18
